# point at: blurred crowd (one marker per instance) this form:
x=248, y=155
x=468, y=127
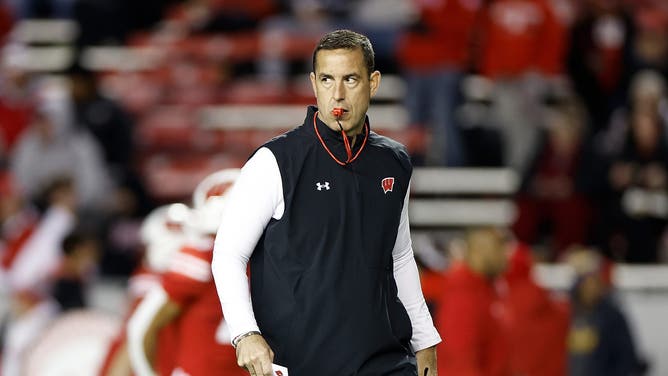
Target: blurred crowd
x=496, y=320
x=569, y=94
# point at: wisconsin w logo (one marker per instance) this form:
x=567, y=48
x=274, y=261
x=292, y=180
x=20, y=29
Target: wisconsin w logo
x=387, y=184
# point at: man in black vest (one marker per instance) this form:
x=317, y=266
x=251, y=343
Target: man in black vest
x=321, y=214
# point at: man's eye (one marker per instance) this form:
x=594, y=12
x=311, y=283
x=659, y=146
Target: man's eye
x=326, y=79
x=351, y=79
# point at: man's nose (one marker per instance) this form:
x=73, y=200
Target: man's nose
x=339, y=91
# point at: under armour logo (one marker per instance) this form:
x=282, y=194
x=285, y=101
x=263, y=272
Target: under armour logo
x=321, y=186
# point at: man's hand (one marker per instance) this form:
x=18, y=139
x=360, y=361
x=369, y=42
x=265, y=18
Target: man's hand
x=426, y=362
x=255, y=355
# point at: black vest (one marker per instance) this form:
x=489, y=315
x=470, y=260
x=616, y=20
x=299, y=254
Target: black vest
x=322, y=281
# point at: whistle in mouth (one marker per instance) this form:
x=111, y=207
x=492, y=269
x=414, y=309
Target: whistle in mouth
x=338, y=112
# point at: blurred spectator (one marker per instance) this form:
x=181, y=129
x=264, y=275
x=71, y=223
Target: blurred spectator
x=469, y=313
x=28, y=275
x=432, y=263
x=113, y=128
x=52, y=147
x=536, y=322
x=38, y=254
x=554, y=192
x=480, y=128
x=600, y=341
x=522, y=42
x=636, y=145
x=650, y=43
x=80, y=256
x=16, y=107
x=383, y=21
x=521, y=36
x=598, y=59
x=110, y=125
x=647, y=94
x=17, y=224
x=298, y=20
x=434, y=54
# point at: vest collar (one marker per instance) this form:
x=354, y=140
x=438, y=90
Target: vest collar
x=331, y=138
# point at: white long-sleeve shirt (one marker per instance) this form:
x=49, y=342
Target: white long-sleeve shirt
x=256, y=198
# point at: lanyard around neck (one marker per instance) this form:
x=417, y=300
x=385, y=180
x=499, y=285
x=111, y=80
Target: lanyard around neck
x=349, y=152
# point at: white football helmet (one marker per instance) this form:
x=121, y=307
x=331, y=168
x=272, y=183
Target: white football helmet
x=163, y=234
x=209, y=200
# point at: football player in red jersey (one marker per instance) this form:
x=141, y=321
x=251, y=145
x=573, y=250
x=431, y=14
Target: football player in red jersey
x=187, y=298
x=162, y=235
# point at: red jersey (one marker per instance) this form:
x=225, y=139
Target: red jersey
x=447, y=38
x=470, y=318
x=203, y=341
x=521, y=36
x=140, y=283
x=536, y=324
x=537, y=327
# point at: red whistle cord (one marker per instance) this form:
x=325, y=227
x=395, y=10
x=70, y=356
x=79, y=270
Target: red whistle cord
x=346, y=143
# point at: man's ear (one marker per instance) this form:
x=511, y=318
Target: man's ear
x=374, y=82
x=312, y=77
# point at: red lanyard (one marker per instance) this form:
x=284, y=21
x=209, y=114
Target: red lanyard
x=349, y=152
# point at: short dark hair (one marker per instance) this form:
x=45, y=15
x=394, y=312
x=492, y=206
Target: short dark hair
x=348, y=40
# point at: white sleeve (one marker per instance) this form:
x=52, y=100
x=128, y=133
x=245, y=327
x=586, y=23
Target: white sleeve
x=256, y=197
x=408, y=285
x=41, y=253
x=138, y=326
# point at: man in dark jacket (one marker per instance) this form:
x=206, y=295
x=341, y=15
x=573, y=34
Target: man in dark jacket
x=321, y=214
x=600, y=341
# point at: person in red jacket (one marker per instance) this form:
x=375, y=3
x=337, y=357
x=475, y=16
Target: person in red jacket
x=520, y=36
x=536, y=322
x=522, y=46
x=434, y=55
x=557, y=188
x=469, y=314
